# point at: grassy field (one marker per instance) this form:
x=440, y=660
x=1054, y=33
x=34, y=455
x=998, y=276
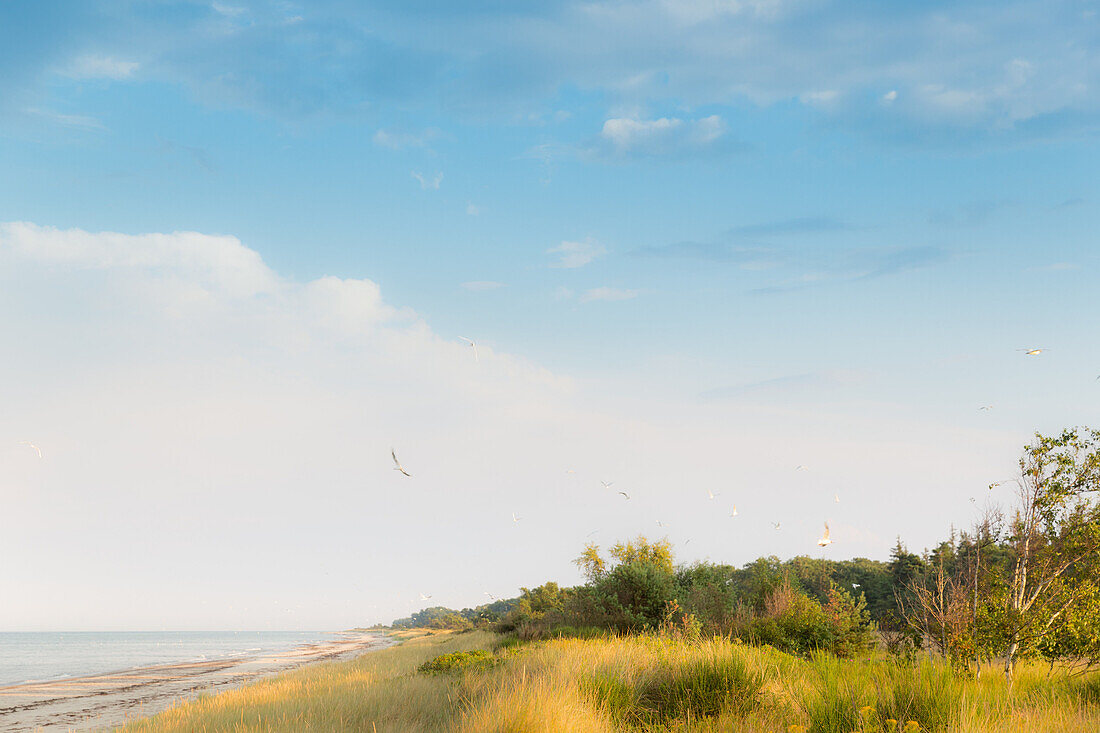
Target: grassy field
x=640, y=683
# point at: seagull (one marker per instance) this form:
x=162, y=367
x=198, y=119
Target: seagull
x=1033, y=352
x=424, y=597
x=397, y=464
x=607, y=484
x=472, y=346
x=32, y=446
x=711, y=494
x=491, y=596
x=515, y=518
x=836, y=498
x=777, y=525
x=825, y=541
x=855, y=585
x=661, y=524
x=625, y=495
x=592, y=533
x=985, y=407
x=733, y=513
x=800, y=467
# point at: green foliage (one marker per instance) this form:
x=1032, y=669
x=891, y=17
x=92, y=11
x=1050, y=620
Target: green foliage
x=436, y=617
x=928, y=694
x=476, y=660
x=671, y=691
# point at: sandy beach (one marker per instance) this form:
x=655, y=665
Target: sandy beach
x=102, y=701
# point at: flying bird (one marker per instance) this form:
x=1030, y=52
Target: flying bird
x=32, y=446
x=733, y=512
x=777, y=525
x=424, y=597
x=711, y=494
x=491, y=596
x=607, y=484
x=855, y=585
x=397, y=464
x=1033, y=352
x=985, y=407
x=625, y=495
x=800, y=467
x=836, y=498
x=472, y=346
x=515, y=518
x=661, y=524
x=825, y=541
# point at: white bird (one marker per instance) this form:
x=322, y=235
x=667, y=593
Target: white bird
x=32, y=446
x=424, y=597
x=472, y=346
x=1033, y=352
x=397, y=464
x=800, y=467
x=777, y=525
x=625, y=495
x=661, y=524
x=711, y=494
x=733, y=512
x=985, y=407
x=855, y=585
x=592, y=533
x=825, y=541
x=607, y=484
x=515, y=518
x=491, y=596
x=836, y=498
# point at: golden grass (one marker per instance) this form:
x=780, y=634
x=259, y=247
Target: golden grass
x=611, y=684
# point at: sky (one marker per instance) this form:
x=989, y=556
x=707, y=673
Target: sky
x=779, y=251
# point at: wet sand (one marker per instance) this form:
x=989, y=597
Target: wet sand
x=102, y=701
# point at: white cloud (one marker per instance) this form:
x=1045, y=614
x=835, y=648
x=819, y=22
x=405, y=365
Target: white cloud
x=102, y=67
x=890, y=96
x=576, y=254
x=82, y=122
x=663, y=135
x=400, y=140
x=606, y=293
x=481, y=285
x=428, y=183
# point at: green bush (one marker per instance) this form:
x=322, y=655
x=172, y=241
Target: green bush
x=477, y=660
x=677, y=692
x=927, y=694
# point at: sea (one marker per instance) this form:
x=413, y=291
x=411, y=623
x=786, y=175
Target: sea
x=38, y=656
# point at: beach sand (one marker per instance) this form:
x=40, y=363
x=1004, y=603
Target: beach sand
x=102, y=701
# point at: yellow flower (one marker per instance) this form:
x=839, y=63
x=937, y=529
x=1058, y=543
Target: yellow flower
x=796, y=729
x=866, y=710
x=912, y=727
x=891, y=725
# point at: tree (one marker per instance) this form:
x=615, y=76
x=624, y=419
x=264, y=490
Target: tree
x=1055, y=530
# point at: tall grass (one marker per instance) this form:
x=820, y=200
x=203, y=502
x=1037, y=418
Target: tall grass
x=636, y=683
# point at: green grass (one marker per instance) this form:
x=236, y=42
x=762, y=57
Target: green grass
x=480, y=683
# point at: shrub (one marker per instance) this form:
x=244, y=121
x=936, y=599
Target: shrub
x=927, y=694
x=687, y=690
x=477, y=660
x=699, y=689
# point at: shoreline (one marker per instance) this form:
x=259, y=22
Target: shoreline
x=105, y=700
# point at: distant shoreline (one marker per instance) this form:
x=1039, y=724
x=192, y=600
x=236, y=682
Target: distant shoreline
x=97, y=701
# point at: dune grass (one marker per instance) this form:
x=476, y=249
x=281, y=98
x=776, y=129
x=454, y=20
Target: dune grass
x=636, y=683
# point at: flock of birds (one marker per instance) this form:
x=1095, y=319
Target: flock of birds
x=824, y=541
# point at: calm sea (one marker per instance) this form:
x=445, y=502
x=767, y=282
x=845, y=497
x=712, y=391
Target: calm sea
x=35, y=656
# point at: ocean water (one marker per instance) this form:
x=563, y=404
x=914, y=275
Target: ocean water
x=37, y=656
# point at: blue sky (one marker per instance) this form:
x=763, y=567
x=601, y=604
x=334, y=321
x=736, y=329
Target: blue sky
x=748, y=231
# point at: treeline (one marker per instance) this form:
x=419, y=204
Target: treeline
x=1020, y=584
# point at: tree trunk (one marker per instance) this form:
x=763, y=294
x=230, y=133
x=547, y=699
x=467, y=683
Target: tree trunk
x=1010, y=661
